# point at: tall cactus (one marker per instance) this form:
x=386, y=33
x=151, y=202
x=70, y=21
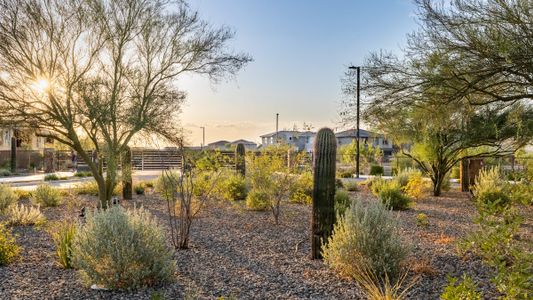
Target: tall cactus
x=127, y=184
x=13, y=162
x=240, y=161
x=325, y=150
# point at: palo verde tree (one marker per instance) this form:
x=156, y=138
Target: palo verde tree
x=438, y=132
x=104, y=70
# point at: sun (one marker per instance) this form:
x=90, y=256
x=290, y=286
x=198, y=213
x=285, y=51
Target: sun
x=41, y=85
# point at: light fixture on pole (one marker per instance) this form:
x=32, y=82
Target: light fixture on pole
x=203, y=138
x=358, y=70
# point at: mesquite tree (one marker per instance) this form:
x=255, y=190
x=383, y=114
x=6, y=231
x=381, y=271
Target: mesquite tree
x=324, y=164
x=104, y=70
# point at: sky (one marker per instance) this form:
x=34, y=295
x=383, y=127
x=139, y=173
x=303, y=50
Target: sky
x=301, y=49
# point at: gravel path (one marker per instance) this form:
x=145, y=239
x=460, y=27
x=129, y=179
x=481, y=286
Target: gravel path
x=242, y=254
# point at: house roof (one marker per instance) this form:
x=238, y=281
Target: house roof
x=245, y=142
x=301, y=133
x=353, y=133
x=217, y=143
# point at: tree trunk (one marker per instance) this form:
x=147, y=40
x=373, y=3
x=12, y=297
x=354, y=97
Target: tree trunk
x=127, y=181
x=437, y=184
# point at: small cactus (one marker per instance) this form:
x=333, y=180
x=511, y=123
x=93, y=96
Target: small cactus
x=13, y=162
x=323, y=219
x=240, y=161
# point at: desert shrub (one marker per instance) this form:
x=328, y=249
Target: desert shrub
x=342, y=201
x=233, y=187
x=257, y=200
x=521, y=192
x=402, y=178
x=466, y=290
x=83, y=174
x=122, y=249
x=365, y=240
x=422, y=220
x=149, y=184
x=9, y=250
x=207, y=183
x=345, y=173
x=165, y=185
x=21, y=215
x=338, y=183
x=302, y=190
x=351, y=186
x=46, y=196
x=63, y=235
x=91, y=188
x=391, y=196
x=51, y=177
x=22, y=194
x=415, y=186
x=375, y=184
x=7, y=197
x=139, y=188
x=376, y=170
x=490, y=191
x=5, y=172
x=455, y=173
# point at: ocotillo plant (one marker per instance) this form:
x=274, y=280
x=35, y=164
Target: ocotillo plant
x=325, y=150
x=126, y=175
x=13, y=162
x=240, y=161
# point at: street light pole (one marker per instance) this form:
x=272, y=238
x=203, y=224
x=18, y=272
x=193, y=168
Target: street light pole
x=203, y=138
x=358, y=70
x=277, y=120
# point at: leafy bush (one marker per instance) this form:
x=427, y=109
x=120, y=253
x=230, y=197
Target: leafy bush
x=22, y=194
x=351, y=186
x=365, y=239
x=122, y=249
x=46, y=196
x=490, y=191
x=91, y=188
x=63, y=236
x=139, y=188
x=233, y=187
x=402, y=178
x=257, y=200
x=392, y=197
x=51, y=177
x=7, y=197
x=376, y=170
x=345, y=173
x=521, y=192
x=83, y=174
x=342, y=201
x=5, y=172
x=455, y=173
x=422, y=220
x=375, y=184
x=415, y=186
x=9, y=250
x=21, y=215
x=302, y=190
x=466, y=290
x=166, y=184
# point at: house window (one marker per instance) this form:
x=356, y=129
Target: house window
x=385, y=142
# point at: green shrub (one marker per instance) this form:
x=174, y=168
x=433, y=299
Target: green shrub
x=402, y=178
x=342, y=201
x=7, y=197
x=351, y=186
x=233, y=187
x=376, y=170
x=302, y=190
x=149, y=184
x=366, y=237
x=83, y=174
x=165, y=184
x=120, y=249
x=345, y=173
x=521, y=192
x=375, y=184
x=257, y=200
x=415, y=186
x=21, y=215
x=91, y=188
x=455, y=173
x=22, y=194
x=51, y=177
x=422, y=220
x=139, y=188
x=392, y=197
x=9, y=250
x=466, y=290
x=5, y=172
x=490, y=191
x=63, y=236
x=46, y=196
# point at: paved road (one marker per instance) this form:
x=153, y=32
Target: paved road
x=30, y=182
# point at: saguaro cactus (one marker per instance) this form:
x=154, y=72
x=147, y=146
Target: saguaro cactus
x=240, y=161
x=126, y=175
x=13, y=162
x=325, y=150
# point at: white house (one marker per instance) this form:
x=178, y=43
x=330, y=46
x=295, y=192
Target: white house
x=25, y=139
x=365, y=138
x=301, y=140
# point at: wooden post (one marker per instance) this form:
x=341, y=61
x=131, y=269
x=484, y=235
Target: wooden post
x=13, y=161
x=127, y=181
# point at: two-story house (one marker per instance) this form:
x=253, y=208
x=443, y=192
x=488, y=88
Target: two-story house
x=366, y=138
x=301, y=140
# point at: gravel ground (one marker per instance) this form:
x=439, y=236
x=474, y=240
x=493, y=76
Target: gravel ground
x=242, y=254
